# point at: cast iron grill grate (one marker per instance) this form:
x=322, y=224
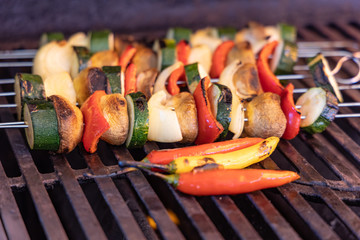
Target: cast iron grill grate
x=47, y=196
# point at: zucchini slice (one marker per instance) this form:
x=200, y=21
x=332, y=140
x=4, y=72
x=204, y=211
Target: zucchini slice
x=27, y=87
x=284, y=58
x=51, y=36
x=220, y=98
x=320, y=107
x=42, y=132
x=226, y=33
x=166, y=52
x=320, y=70
x=179, y=34
x=115, y=78
x=101, y=40
x=194, y=73
x=79, y=60
x=287, y=32
x=138, y=118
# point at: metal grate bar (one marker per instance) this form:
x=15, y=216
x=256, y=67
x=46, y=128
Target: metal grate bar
x=113, y=198
x=79, y=203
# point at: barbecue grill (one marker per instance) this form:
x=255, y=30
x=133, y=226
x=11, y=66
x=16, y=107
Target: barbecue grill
x=43, y=195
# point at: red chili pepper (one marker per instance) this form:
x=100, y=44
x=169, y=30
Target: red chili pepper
x=293, y=116
x=221, y=182
x=176, y=75
x=168, y=155
x=130, y=79
x=269, y=82
x=95, y=122
x=209, y=127
x=126, y=56
x=219, y=58
x=183, y=51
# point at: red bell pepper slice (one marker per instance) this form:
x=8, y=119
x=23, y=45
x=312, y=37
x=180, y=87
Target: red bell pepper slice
x=130, y=79
x=126, y=56
x=269, y=82
x=209, y=127
x=176, y=75
x=95, y=122
x=183, y=51
x=293, y=116
x=219, y=58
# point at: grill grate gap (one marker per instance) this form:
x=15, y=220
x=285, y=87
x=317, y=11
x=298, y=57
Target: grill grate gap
x=105, y=154
x=65, y=212
x=282, y=162
x=315, y=31
x=315, y=161
x=329, y=217
x=249, y=210
x=29, y=215
x=354, y=206
x=135, y=205
x=101, y=210
x=340, y=30
x=75, y=159
x=7, y=158
x=41, y=160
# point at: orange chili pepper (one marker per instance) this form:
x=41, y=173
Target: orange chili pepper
x=126, y=56
x=95, y=122
x=168, y=155
x=130, y=79
x=221, y=182
x=269, y=82
x=219, y=58
x=183, y=51
x=176, y=75
x=209, y=127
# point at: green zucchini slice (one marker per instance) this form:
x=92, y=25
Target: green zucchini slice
x=101, y=41
x=194, y=73
x=42, y=132
x=319, y=106
x=287, y=32
x=27, y=87
x=284, y=58
x=115, y=78
x=166, y=52
x=79, y=60
x=138, y=118
x=320, y=70
x=220, y=98
x=178, y=34
x=226, y=33
x=51, y=36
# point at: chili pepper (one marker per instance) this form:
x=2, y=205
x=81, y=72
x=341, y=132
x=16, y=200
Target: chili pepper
x=209, y=128
x=229, y=160
x=293, y=116
x=126, y=56
x=168, y=155
x=269, y=82
x=130, y=79
x=95, y=122
x=219, y=58
x=233, y=181
x=177, y=74
x=183, y=51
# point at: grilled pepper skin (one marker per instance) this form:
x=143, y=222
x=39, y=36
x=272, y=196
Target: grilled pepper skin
x=209, y=127
x=219, y=58
x=95, y=122
x=177, y=74
x=130, y=79
x=293, y=116
x=269, y=82
x=183, y=51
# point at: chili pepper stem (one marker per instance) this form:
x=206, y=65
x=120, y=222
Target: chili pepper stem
x=172, y=179
x=145, y=165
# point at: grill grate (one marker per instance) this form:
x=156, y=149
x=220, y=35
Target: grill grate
x=52, y=189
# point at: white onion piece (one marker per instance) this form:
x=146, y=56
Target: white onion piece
x=163, y=77
x=201, y=54
x=79, y=39
x=163, y=123
x=60, y=84
x=226, y=77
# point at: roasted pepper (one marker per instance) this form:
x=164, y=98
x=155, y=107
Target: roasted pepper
x=209, y=128
x=165, y=156
x=95, y=122
x=229, y=160
x=269, y=82
x=183, y=51
x=126, y=56
x=219, y=58
x=233, y=181
x=176, y=75
x=293, y=116
x=130, y=79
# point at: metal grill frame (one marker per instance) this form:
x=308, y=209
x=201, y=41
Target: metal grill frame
x=287, y=212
